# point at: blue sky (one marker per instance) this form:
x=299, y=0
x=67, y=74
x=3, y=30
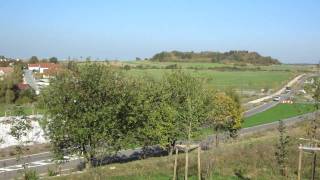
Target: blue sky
x=124, y=29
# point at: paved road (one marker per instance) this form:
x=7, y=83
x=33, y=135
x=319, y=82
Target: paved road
x=30, y=79
x=270, y=104
x=41, y=162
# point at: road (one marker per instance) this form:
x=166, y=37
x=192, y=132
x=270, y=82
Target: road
x=42, y=161
x=282, y=95
x=28, y=77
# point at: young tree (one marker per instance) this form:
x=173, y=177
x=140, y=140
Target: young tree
x=9, y=96
x=225, y=114
x=20, y=127
x=154, y=116
x=186, y=96
x=281, y=153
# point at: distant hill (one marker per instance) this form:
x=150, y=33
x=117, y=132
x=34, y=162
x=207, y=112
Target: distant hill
x=232, y=57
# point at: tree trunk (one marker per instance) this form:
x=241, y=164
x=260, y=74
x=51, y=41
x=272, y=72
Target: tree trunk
x=217, y=139
x=172, y=147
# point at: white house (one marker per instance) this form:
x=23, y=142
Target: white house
x=41, y=67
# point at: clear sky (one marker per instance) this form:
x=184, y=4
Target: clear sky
x=124, y=29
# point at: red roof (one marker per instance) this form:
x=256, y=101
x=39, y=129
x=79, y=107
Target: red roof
x=44, y=65
x=6, y=69
x=22, y=86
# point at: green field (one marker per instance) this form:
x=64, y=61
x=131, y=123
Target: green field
x=241, y=80
x=281, y=111
x=8, y=109
x=203, y=65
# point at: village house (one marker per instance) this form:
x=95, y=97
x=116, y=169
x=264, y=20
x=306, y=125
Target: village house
x=4, y=71
x=42, y=67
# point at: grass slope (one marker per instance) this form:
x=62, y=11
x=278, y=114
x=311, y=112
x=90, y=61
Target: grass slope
x=250, y=157
x=281, y=111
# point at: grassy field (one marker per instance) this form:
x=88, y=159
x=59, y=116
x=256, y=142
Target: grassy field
x=183, y=65
x=250, y=157
x=242, y=80
x=8, y=109
x=278, y=112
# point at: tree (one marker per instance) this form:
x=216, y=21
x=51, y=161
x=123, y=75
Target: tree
x=89, y=111
x=53, y=60
x=185, y=95
x=33, y=60
x=154, y=116
x=9, y=96
x=281, y=153
x=225, y=115
x=20, y=128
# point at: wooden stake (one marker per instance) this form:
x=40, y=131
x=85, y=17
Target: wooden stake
x=187, y=154
x=199, y=163
x=314, y=166
x=300, y=161
x=175, y=165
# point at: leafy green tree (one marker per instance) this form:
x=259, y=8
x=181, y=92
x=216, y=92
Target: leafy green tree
x=53, y=60
x=90, y=111
x=185, y=95
x=9, y=96
x=154, y=115
x=281, y=153
x=33, y=60
x=225, y=115
x=20, y=127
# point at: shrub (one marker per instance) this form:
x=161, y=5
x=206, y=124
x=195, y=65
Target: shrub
x=31, y=175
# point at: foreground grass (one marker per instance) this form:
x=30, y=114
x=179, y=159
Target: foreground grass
x=247, y=157
x=8, y=109
x=281, y=111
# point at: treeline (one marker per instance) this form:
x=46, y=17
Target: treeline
x=242, y=57
x=94, y=110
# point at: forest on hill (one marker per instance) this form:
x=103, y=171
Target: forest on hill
x=230, y=57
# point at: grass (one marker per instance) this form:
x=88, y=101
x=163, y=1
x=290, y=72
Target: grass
x=251, y=157
x=281, y=111
x=7, y=109
x=203, y=65
x=242, y=80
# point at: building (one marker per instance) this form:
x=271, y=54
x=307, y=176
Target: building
x=5, y=71
x=22, y=86
x=42, y=67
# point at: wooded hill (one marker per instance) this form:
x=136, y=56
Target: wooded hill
x=241, y=57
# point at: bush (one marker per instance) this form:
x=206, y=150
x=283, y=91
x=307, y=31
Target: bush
x=52, y=172
x=172, y=66
x=31, y=175
x=126, y=67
